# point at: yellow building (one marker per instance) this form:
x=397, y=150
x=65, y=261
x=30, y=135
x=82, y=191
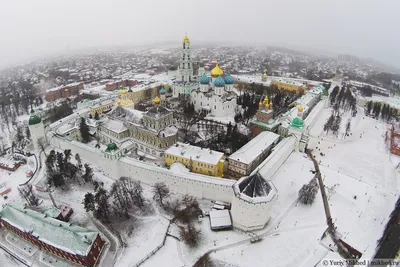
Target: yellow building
x=289, y=86
x=198, y=160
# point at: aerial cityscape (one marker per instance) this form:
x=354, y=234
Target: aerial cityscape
x=199, y=153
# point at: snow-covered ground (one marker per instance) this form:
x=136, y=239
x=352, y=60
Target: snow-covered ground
x=361, y=183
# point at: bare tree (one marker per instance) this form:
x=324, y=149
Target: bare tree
x=27, y=192
x=189, y=235
x=160, y=191
x=204, y=261
x=41, y=142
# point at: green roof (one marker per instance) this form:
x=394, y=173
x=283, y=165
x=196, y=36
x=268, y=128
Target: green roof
x=65, y=236
x=52, y=211
x=111, y=147
x=297, y=123
x=267, y=126
x=34, y=119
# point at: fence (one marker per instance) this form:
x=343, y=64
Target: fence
x=154, y=250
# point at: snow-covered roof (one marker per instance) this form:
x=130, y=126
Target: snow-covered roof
x=169, y=131
x=115, y=126
x=187, y=151
x=52, y=211
x=220, y=219
x=65, y=236
x=67, y=127
x=278, y=155
x=251, y=150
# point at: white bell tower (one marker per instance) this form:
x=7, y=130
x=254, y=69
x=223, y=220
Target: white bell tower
x=185, y=73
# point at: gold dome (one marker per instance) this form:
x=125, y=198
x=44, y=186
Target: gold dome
x=266, y=100
x=216, y=71
x=157, y=100
x=300, y=108
x=118, y=102
x=265, y=75
x=260, y=104
x=186, y=39
x=123, y=91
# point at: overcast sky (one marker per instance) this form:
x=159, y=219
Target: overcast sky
x=30, y=29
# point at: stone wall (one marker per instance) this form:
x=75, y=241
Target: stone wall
x=197, y=185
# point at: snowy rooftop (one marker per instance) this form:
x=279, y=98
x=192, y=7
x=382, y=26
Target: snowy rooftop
x=196, y=153
x=65, y=236
x=115, y=126
x=169, y=131
x=255, y=147
x=220, y=219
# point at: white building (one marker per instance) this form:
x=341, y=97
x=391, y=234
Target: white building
x=247, y=158
x=210, y=95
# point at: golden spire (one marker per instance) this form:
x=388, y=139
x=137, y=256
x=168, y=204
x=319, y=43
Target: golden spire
x=186, y=39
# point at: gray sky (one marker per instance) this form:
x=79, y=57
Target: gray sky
x=35, y=28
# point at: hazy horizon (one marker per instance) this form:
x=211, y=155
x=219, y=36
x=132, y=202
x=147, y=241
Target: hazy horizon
x=35, y=29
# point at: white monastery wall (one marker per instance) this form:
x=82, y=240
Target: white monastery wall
x=197, y=185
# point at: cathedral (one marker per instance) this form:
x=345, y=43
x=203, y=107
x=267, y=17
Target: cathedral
x=210, y=95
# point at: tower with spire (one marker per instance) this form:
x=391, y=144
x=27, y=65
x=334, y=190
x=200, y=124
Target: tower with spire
x=186, y=67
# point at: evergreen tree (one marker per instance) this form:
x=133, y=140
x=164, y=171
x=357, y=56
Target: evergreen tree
x=90, y=116
x=96, y=116
x=84, y=130
x=333, y=95
x=308, y=192
x=78, y=163
x=19, y=135
x=370, y=105
x=50, y=161
x=348, y=126
x=102, y=202
x=57, y=179
x=89, y=202
x=377, y=109
x=60, y=162
x=88, y=176
x=340, y=96
x=328, y=124
x=336, y=125
x=27, y=133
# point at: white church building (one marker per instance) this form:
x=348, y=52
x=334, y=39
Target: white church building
x=210, y=95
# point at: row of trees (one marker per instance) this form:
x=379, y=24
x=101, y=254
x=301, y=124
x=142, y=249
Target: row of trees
x=60, y=170
x=382, y=110
x=123, y=195
x=343, y=98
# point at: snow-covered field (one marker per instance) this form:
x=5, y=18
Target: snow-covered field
x=361, y=183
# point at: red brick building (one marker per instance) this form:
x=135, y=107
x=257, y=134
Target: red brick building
x=71, y=242
x=395, y=140
x=111, y=86
x=64, y=91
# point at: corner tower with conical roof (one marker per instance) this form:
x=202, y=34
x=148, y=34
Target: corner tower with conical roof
x=36, y=128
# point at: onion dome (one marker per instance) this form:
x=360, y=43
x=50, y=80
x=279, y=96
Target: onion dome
x=297, y=123
x=300, y=108
x=216, y=71
x=204, y=79
x=265, y=76
x=186, y=39
x=34, y=119
x=163, y=91
x=260, y=104
x=119, y=102
x=229, y=79
x=157, y=100
x=111, y=147
x=123, y=91
x=219, y=82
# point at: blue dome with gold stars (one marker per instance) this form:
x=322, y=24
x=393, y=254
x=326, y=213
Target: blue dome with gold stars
x=219, y=82
x=229, y=79
x=204, y=79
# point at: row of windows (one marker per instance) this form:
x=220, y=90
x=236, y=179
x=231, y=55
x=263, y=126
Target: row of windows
x=195, y=163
